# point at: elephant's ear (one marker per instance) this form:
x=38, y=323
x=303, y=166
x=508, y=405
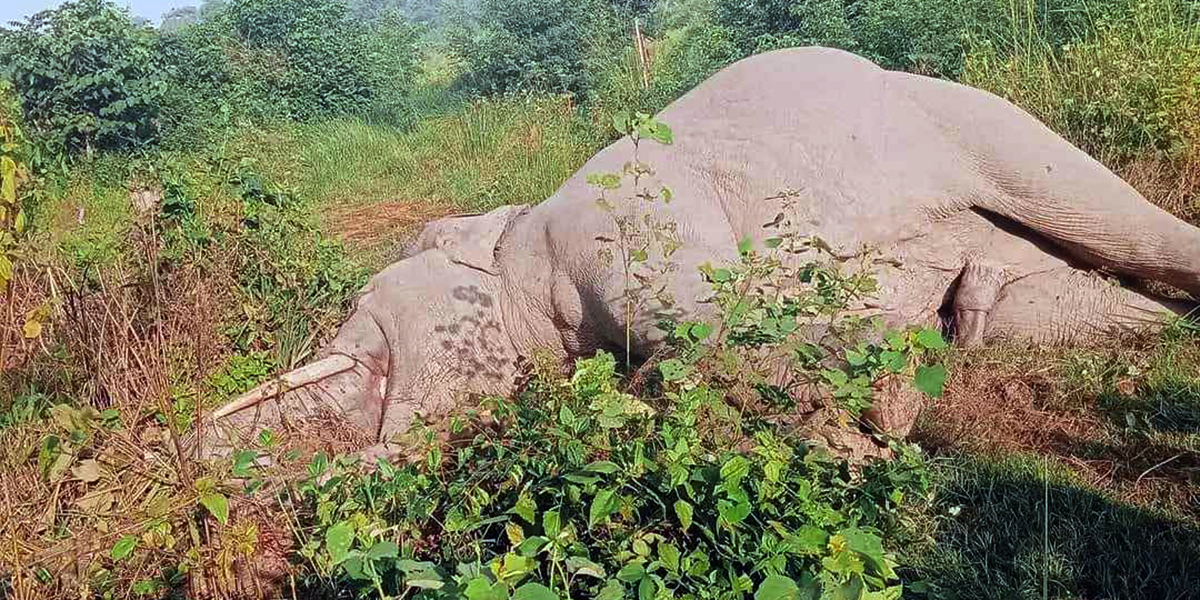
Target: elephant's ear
x=471, y=239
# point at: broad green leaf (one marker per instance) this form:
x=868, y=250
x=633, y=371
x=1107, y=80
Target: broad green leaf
x=526, y=508
x=701, y=331
x=354, y=568
x=931, y=380
x=662, y=134
x=621, y=122
x=480, y=588
x=683, y=510
x=669, y=555
x=534, y=591
x=19, y=223
x=566, y=416
x=931, y=339
x=217, y=504
x=734, y=470
x=242, y=461
x=124, y=547
x=733, y=512
x=777, y=587
x=631, y=572
x=646, y=589
x=721, y=275
x=893, y=361
x=673, y=369
x=318, y=466
x=774, y=242
x=384, y=549
x=613, y=590
x=338, y=540
x=811, y=540
x=531, y=546
x=551, y=523
x=745, y=246
x=603, y=466
x=603, y=505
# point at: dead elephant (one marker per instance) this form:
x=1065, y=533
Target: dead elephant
x=984, y=214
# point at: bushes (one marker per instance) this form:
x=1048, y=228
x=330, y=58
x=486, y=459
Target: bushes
x=87, y=77
x=927, y=36
x=594, y=493
x=532, y=45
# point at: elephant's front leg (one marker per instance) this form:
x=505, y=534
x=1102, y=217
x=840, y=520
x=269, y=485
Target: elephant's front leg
x=979, y=288
x=1068, y=305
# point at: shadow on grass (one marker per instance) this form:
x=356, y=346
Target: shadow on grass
x=994, y=545
x=1171, y=407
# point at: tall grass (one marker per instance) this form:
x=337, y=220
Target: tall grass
x=494, y=152
x=1128, y=87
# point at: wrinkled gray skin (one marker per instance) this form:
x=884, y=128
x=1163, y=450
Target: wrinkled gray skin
x=987, y=214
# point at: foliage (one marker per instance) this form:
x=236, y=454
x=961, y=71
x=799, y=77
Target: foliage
x=1129, y=89
x=536, y=45
x=13, y=177
x=928, y=36
x=596, y=493
x=303, y=59
x=638, y=235
x=294, y=280
x=87, y=77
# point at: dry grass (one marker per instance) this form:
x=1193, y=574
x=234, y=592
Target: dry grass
x=1104, y=413
x=377, y=229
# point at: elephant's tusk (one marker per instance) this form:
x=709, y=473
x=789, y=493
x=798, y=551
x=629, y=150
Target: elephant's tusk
x=322, y=369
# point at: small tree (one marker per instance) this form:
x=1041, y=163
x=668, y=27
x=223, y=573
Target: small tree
x=86, y=75
x=532, y=45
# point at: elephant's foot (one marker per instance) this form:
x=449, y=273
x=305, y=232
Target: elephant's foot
x=896, y=406
x=978, y=289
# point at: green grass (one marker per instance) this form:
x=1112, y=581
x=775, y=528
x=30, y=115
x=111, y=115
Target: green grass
x=491, y=153
x=991, y=537
x=1127, y=88
x=1110, y=434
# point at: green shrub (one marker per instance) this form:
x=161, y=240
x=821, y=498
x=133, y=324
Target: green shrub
x=928, y=36
x=532, y=45
x=681, y=59
x=86, y=75
x=760, y=25
x=594, y=493
x=265, y=60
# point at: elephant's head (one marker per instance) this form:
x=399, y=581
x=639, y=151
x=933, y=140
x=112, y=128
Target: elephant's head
x=423, y=331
